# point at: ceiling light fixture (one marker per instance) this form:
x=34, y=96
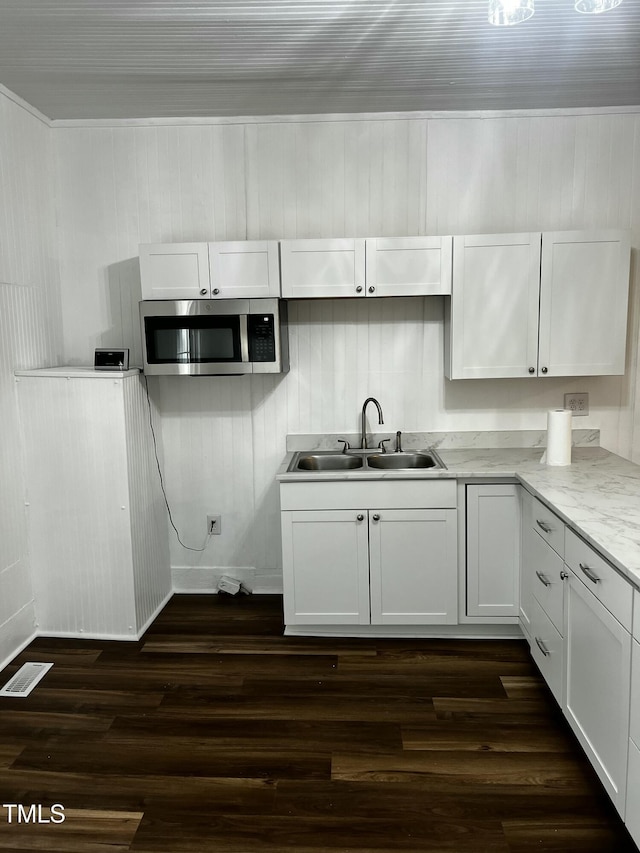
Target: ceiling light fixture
x=594, y=7
x=504, y=13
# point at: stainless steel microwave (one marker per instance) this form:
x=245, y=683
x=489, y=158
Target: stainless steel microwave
x=212, y=337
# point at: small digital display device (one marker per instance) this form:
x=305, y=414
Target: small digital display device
x=111, y=359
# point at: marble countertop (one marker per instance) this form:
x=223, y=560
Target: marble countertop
x=598, y=495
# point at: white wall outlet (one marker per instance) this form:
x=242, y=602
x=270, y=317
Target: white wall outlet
x=577, y=403
x=214, y=525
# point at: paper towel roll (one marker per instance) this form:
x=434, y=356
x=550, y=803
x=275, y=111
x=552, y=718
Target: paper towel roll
x=558, y=437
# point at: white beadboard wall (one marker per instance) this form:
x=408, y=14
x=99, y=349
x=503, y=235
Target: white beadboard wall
x=350, y=176
x=29, y=336
x=97, y=528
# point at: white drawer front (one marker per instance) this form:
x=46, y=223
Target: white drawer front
x=549, y=526
x=548, y=580
x=614, y=591
x=547, y=650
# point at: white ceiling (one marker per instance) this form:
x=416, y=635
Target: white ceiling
x=92, y=59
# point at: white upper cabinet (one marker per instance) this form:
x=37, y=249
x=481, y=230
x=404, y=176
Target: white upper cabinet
x=584, y=289
x=313, y=268
x=493, y=323
x=552, y=304
x=243, y=269
x=376, y=266
x=408, y=266
x=174, y=270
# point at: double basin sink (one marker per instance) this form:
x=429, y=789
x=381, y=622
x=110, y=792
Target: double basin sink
x=363, y=460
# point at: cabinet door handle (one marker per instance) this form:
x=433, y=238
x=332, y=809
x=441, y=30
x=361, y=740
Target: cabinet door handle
x=542, y=647
x=359, y=289
x=204, y=291
x=216, y=291
x=545, y=369
x=589, y=572
x=360, y=517
x=376, y=517
x=372, y=289
x=544, y=526
x=564, y=575
x=543, y=579
x=532, y=370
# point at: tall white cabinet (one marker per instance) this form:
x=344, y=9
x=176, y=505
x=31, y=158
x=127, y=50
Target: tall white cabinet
x=96, y=516
x=538, y=304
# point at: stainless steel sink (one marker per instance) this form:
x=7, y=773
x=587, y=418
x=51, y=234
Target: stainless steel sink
x=323, y=461
x=364, y=460
x=403, y=460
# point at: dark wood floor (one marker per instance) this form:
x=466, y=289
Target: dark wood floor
x=216, y=733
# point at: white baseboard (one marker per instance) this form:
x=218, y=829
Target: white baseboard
x=17, y=632
x=422, y=632
x=189, y=579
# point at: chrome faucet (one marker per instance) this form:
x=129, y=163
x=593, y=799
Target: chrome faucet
x=363, y=436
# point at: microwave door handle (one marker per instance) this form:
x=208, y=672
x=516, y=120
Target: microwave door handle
x=244, y=339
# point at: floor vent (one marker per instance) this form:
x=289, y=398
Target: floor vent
x=25, y=679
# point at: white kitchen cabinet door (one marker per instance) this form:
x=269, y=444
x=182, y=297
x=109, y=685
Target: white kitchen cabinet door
x=408, y=266
x=598, y=676
x=492, y=322
x=584, y=290
x=413, y=566
x=322, y=268
x=244, y=269
x=493, y=550
x=325, y=557
x=174, y=270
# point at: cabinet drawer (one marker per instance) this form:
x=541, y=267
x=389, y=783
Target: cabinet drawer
x=547, y=650
x=549, y=526
x=547, y=581
x=600, y=578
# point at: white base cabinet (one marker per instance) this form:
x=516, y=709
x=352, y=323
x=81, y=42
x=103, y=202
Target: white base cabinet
x=492, y=550
x=598, y=686
x=390, y=564
x=578, y=618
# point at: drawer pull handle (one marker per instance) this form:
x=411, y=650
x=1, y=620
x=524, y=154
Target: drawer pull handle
x=543, y=579
x=589, y=572
x=564, y=575
x=544, y=526
x=543, y=648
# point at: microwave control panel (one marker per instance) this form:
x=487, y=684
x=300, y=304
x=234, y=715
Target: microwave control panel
x=262, y=340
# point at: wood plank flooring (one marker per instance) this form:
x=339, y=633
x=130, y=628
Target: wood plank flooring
x=217, y=733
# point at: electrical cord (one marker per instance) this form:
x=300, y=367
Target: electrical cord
x=164, y=493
